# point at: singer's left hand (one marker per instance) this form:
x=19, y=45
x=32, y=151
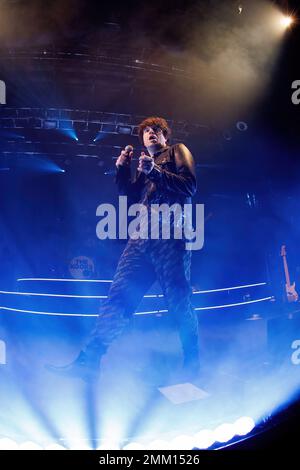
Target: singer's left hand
x=146, y=164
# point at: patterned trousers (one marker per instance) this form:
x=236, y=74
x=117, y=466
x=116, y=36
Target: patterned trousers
x=141, y=263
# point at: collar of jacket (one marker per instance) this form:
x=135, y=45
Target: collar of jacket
x=162, y=150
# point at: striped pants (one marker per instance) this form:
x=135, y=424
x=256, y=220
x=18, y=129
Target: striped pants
x=141, y=263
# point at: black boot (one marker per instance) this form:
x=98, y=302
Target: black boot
x=86, y=366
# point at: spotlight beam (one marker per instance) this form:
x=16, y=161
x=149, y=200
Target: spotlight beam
x=286, y=21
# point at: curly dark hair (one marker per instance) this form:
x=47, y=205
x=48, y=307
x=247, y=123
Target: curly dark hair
x=154, y=121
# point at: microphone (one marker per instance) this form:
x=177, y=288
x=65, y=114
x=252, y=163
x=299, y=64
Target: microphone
x=128, y=149
x=124, y=158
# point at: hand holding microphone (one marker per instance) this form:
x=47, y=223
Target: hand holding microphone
x=124, y=159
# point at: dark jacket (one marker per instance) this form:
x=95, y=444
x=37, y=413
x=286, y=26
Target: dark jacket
x=172, y=180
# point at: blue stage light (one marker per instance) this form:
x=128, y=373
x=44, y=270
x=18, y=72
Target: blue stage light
x=29, y=445
x=243, y=425
x=158, y=444
x=108, y=444
x=54, y=447
x=224, y=432
x=182, y=442
x=8, y=444
x=204, y=439
x=134, y=446
x=99, y=136
x=80, y=445
x=69, y=133
x=40, y=164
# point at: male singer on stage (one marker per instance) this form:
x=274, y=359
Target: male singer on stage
x=166, y=175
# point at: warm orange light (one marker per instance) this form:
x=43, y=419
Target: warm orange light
x=286, y=21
